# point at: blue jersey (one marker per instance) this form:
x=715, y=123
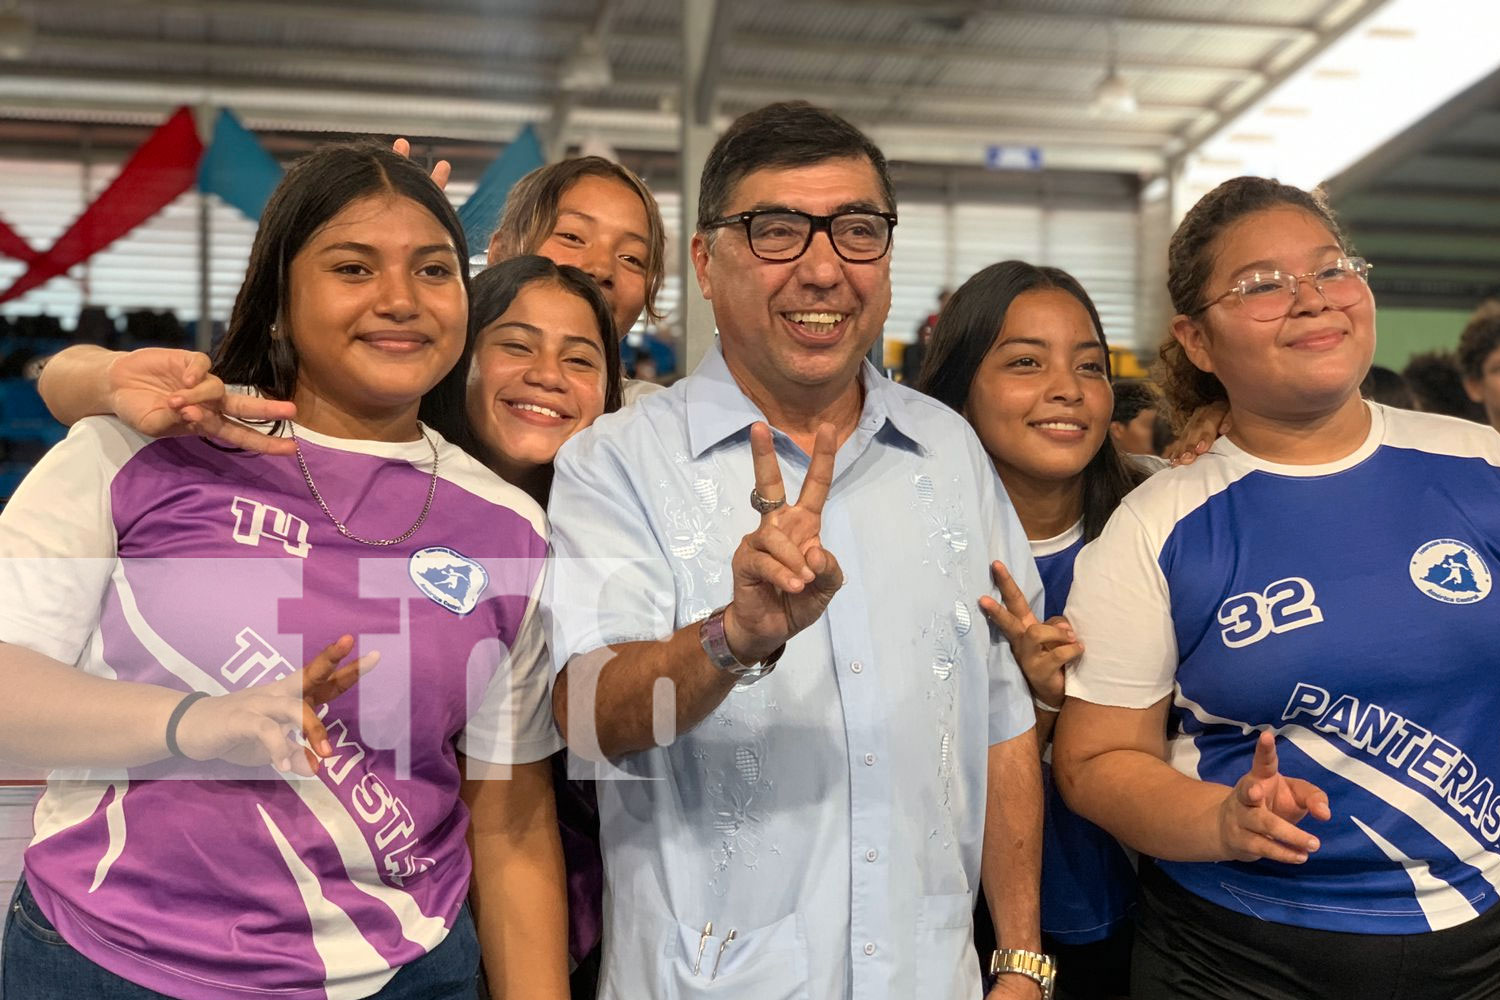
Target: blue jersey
x=1088, y=881
x=1346, y=608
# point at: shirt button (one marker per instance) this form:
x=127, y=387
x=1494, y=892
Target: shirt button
x=856, y=666
x=869, y=949
x=871, y=854
x=870, y=759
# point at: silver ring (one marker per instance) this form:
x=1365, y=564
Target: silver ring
x=763, y=505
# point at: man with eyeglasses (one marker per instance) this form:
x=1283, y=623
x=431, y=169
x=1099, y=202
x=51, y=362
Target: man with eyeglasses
x=764, y=602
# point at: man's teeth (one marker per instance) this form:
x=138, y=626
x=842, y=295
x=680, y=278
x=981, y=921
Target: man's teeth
x=818, y=322
x=533, y=408
x=1059, y=425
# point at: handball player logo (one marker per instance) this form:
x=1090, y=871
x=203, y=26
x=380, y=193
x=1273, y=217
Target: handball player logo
x=1450, y=571
x=451, y=580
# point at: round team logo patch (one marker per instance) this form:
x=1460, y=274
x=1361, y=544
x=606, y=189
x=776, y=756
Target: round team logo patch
x=1450, y=571
x=448, y=578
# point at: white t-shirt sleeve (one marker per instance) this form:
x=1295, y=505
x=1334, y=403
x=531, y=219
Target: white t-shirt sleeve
x=1122, y=612
x=513, y=723
x=58, y=541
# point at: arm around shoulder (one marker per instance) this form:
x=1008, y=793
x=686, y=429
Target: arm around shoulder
x=75, y=383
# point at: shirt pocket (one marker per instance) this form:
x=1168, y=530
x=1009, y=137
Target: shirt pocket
x=768, y=963
x=947, y=965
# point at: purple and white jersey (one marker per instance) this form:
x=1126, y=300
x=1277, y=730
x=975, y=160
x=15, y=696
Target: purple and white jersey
x=181, y=564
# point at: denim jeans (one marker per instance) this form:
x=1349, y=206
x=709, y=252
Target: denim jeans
x=39, y=965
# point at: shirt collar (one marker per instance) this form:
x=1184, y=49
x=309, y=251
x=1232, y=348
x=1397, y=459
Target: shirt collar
x=718, y=410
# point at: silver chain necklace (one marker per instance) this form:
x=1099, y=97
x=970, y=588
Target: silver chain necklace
x=343, y=528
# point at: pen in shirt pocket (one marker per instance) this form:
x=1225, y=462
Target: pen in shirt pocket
x=708, y=930
x=720, y=956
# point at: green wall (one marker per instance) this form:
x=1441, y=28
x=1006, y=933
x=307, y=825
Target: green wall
x=1400, y=333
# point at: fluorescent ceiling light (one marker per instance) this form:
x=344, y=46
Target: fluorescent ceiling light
x=587, y=69
x=1383, y=75
x=1114, y=96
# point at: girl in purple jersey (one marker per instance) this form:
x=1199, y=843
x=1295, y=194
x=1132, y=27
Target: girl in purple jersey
x=585, y=212
x=351, y=881
x=1020, y=351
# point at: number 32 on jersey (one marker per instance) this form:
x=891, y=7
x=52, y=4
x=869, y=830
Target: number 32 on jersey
x=1284, y=605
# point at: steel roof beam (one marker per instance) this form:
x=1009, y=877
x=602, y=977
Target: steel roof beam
x=971, y=12
x=951, y=97
x=1433, y=192
x=711, y=70
x=1378, y=228
x=1070, y=60
x=395, y=19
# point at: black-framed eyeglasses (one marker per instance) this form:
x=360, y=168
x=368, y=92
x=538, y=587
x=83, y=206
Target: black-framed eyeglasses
x=783, y=234
x=1268, y=295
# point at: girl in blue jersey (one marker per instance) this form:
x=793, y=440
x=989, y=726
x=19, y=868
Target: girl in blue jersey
x=351, y=882
x=1020, y=351
x=1287, y=691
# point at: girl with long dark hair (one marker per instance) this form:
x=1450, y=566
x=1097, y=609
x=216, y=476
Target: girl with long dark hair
x=1019, y=350
x=154, y=594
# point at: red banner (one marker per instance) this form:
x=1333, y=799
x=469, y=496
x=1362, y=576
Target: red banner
x=163, y=167
x=12, y=245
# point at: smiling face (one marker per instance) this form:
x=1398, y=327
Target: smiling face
x=796, y=329
x=537, y=378
x=1040, y=401
x=602, y=229
x=376, y=312
x=1309, y=362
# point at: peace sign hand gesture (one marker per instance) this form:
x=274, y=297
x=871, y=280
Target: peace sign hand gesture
x=783, y=577
x=1042, y=649
x=163, y=392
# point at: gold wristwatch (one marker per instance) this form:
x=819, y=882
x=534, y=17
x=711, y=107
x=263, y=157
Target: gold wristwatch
x=1032, y=965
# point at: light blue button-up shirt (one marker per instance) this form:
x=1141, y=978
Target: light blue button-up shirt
x=832, y=814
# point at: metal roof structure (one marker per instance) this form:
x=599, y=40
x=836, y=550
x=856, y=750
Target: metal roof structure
x=933, y=82
x=937, y=84
x=1425, y=208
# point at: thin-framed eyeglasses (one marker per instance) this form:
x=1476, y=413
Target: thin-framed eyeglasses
x=784, y=234
x=1268, y=295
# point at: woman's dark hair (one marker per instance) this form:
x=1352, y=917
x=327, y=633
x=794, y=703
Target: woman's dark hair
x=966, y=330
x=1387, y=387
x=314, y=190
x=1190, y=262
x=1437, y=386
x=1132, y=395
